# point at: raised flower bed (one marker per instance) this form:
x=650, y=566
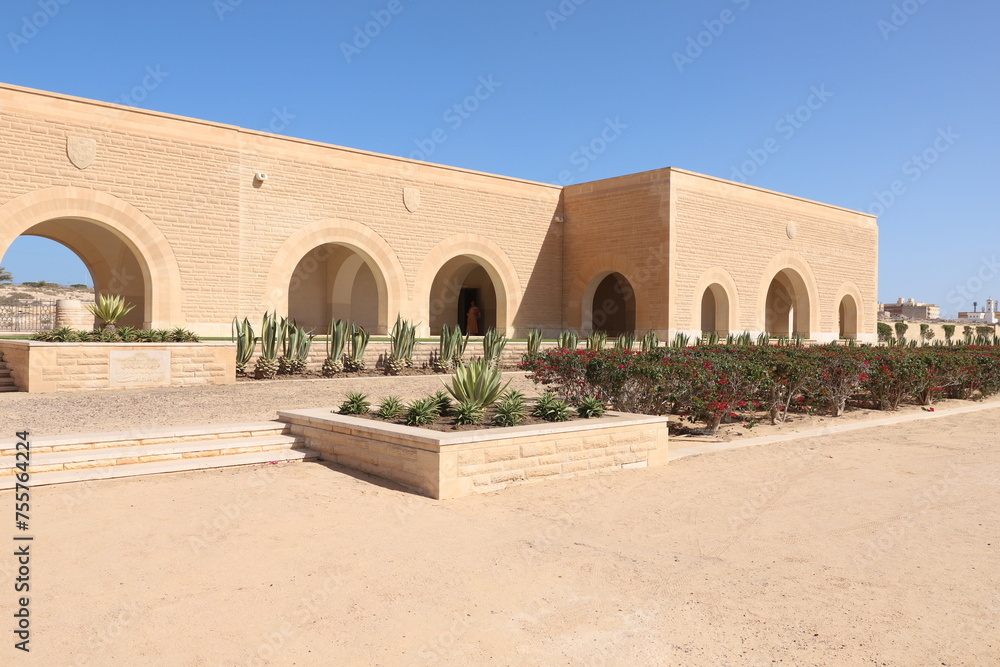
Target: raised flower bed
x=451, y=465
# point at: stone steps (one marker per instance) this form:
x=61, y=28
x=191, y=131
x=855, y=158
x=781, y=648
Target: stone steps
x=6, y=381
x=77, y=458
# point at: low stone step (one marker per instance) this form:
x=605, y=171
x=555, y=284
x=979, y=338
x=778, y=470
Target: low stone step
x=107, y=456
x=160, y=467
x=150, y=436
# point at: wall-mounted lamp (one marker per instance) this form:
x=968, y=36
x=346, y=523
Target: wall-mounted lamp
x=260, y=177
x=559, y=218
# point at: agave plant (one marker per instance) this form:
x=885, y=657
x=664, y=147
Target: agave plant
x=713, y=338
x=590, y=406
x=356, y=403
x=460, y=345
x=403, y=338
x=494, y=343
x=534, y=341
x=764, y=339
x=597, y=340
x=567, y=340
x=246, y=342
x=270, y=343
x=447, y=344
x=109, y=309
x=301, y=344
x=356, y=350
x=336, y=342
x=468, y=413
x=477, y=381
x=510, y=410
x=391, y=407
x=650, y=341
x=550, y=408
x=681, y=340
x=744, y=338
x=422, y=411
x=625, y=341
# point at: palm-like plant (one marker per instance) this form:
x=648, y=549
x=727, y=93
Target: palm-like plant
x=336, y=343
x=403, y=337
x=356, y=350
x=494, y=343
x=270, y=343
x=109, y=309
x=246, y=342
x=477, y=381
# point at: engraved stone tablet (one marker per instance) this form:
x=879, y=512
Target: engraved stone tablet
x=81, y=151
x=140, y=368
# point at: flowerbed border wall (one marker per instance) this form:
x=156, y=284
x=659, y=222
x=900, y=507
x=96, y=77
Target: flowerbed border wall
x=38, y=367
x=452, y=465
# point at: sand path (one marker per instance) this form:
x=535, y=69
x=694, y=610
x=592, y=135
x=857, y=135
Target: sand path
x=876, y=547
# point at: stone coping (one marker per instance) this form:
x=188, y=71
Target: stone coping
x=141, y=344
x=325, y=418
x=146, y=434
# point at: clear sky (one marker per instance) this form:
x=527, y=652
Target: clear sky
x=888, y=106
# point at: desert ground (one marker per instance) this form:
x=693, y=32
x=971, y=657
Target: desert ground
x=875, y=547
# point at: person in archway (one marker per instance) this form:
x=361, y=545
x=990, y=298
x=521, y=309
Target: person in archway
x=472, y=320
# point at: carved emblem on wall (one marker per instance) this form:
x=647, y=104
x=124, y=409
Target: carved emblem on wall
x=81, y=151
x=792, y=230
x=411, y=199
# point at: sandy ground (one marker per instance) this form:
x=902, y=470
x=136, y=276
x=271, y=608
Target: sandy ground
x=877, y=547
x=47, y=293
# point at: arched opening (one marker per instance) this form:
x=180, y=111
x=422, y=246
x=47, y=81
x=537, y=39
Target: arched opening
x=335, y=281
x=460, y=283
x=786, y=310
x=715, y=310
x=108, y=262
x=848, y=317
x=613, y=306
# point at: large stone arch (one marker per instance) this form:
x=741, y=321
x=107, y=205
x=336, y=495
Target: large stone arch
x=791, y=269
x=580, y=305
x=490, y=257
x=726, y=297
x=372, y=248
x=848, y=297
x=84, y=220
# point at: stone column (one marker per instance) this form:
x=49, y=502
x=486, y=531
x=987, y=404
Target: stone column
x=71, y=313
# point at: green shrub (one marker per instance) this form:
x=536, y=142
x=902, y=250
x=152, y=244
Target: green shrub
x=422, y=411
x=885, y=332
x=590, y=407
x=510, y=410
x=391, y=407
x=534, y=341
x=468, y=413
x=355, y=404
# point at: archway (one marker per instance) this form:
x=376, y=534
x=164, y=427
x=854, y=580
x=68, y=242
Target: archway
x=335, y=281
x=786, y=308
x=848, y=317
x=461, y=281
x=123, y=250
x=612, y=306
x=715, y=310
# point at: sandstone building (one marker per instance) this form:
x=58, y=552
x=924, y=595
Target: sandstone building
x=197, y=222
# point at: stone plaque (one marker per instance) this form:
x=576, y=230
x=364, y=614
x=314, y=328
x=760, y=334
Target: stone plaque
x=81, y=151
x=792, y=230
x=411, y=199
x=140, y=368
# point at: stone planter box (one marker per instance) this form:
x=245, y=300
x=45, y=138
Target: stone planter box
x=38, y=367
x=455, y=464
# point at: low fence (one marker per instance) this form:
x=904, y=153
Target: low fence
x=27, y=315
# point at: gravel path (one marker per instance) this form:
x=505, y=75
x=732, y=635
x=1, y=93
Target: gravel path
x=115, y=410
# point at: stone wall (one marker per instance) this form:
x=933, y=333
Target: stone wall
x=38, y=367
x=451, y=465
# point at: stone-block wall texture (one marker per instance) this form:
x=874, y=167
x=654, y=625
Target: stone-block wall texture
x=170, y=213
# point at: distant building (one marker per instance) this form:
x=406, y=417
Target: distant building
x=911, y=310
x=988, y=315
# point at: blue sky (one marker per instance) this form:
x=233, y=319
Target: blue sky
x=893, y=104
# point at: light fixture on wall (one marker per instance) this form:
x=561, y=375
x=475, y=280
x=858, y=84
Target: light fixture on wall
x=559, y=218
x=260, y=177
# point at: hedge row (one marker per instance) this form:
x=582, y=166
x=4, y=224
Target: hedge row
x=715, y=383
